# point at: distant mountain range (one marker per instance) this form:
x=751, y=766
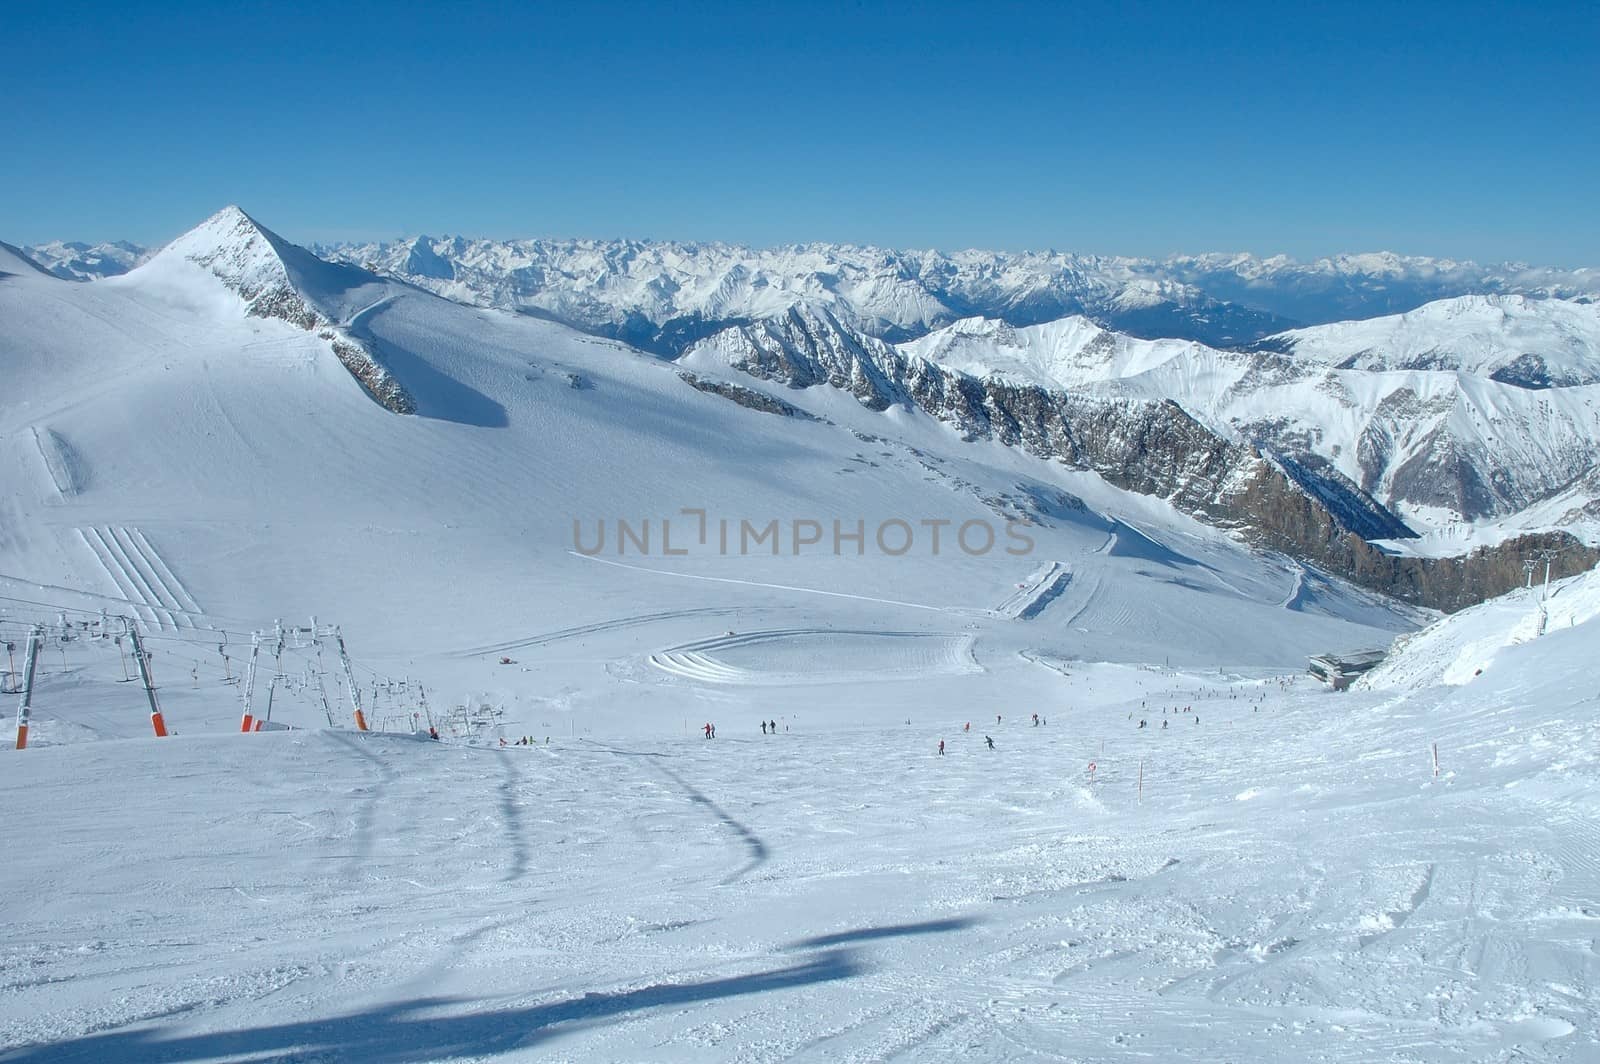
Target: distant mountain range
x=663, y=296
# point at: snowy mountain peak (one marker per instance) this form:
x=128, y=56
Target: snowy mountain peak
x=231, y=255
x=14, y=260
x=235, y=248
x=275, y=278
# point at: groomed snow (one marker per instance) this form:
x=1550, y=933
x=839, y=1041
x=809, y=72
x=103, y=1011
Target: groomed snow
x=1277, y=871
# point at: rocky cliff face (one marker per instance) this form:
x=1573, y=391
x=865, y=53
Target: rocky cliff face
x=1150, y=446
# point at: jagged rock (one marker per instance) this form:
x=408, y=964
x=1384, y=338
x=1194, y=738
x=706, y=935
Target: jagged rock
x=746, y=397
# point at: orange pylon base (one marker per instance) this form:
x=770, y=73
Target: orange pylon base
x=246, y=724
x=159, y=725
x=22, y=737
x=361, y=721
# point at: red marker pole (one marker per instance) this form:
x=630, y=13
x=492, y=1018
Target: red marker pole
x=141, y=657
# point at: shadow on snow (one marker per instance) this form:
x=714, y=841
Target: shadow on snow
x=413, y=1031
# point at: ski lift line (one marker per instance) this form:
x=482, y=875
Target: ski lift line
x=231, y=620
x=198, y=637
x=57, y=607
x=77, y=631
x=374, y=672
x=70, y=632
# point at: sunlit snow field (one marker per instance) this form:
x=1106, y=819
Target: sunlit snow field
x=1265, y=871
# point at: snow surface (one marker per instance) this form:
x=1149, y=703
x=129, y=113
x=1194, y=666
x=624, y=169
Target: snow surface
x=1458, y=649
x=1292, y=878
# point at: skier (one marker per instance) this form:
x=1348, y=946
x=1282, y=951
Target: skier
x=989, y=741
x=1036, y=720
x=713, y=731
x=1163, y=725
x=433, y=733
x=763, y=727
x=772, y=727
x=941, y=747
x=707, y=729
x=967, y=726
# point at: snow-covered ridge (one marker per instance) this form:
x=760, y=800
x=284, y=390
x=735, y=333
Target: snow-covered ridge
x=1468, y=410
x=14, y=260
x=1461, y=647
x=1532, y=342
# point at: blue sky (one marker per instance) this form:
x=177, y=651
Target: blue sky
x=1462, y=129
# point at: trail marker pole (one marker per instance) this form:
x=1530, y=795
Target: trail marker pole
x=141, y=657
x=1141, y=781
x=1435, y=760
x=25, y=706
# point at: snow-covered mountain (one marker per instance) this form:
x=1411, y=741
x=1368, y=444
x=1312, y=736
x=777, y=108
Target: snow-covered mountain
x=14, y=260
x=665, y=295
x=1313, y=442
x=276, y=279
x=1445, y=415
x=1531, y=343
x=1302, y=458
x=76, y=261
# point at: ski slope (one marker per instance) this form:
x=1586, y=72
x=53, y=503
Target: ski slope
x=1290, y=874
x=1291, y=879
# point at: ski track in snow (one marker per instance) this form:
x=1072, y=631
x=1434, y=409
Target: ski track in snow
x=1292, y=877
x=775, y=587
x=817, y=655
x=142, y=577
x=577, y=631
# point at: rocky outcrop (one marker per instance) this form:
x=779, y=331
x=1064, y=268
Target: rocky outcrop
x=745, y=397
x=1153, y=447
x=378, y=382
